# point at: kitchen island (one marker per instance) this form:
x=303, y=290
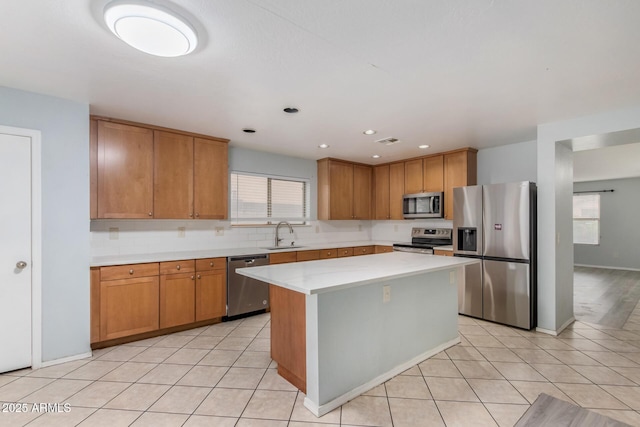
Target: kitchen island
x=342, y=326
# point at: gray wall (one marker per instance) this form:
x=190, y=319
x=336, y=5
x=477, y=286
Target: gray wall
x=245, y=160
x=508, y=163
x=618, y=225
x=65, y=215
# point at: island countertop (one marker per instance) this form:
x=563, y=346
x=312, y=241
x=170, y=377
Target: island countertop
x=314, y=277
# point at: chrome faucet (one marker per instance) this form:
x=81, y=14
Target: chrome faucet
x=277, y=239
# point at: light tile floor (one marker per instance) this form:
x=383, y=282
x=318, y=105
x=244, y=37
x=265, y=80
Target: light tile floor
x=222, y=375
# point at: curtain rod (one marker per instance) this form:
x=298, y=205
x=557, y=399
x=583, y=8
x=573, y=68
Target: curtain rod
x=595, y=191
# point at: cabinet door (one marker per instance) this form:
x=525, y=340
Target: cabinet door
x=361, y=192
x=381, y=193
x=211, y=178
x=340, y=190
x=413, y=176
x=308, y=255
x=211, y=294
x=433, y=174
x=172, y=175
x=177, y=299
x=396, y=190
x=459, y=171
x=125, y=171
x=382, y=249
x=128, y=307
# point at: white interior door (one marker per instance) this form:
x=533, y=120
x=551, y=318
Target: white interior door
x=15, y=252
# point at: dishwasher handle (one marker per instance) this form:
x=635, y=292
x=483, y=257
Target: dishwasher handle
x=249, y=259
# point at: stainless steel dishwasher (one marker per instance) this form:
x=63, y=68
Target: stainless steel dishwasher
x=244, y=294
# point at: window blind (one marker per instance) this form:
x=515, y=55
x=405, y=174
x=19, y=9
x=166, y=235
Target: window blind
x=263, y=199
x=586, y=219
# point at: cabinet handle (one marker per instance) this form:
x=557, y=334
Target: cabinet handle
x=150, y=213
x=328, y=253
x=191, y=215
x=178, y=267
x=211, y=264
x=364, y=250
x=199, y=277
x=131, y=271
x=197, y=215
x=192, y=277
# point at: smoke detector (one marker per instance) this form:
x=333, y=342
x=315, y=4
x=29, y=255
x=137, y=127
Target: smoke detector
x=389, y=141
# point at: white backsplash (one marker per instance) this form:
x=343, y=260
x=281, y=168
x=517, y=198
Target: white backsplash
x=127, y=237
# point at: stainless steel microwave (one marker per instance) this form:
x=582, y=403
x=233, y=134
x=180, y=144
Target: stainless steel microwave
x=423, y=205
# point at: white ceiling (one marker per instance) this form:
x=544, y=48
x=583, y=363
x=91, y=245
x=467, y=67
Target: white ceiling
x=448, y=73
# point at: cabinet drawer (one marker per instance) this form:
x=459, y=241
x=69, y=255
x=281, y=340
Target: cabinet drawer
x=183, y=266
x=282, y=257
x=381, y=249
x=328, y=253
x=442, y=252
x=345, y=252
x=308, y=255
x=208, y=264
x=363, y=250
x=130, y=270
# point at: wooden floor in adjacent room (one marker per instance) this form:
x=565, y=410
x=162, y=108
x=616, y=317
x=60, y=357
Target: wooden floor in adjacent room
x=605, y=296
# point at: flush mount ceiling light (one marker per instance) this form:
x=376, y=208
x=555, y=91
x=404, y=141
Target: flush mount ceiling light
x=323, y=146
x=150, y=28
x=423, y=146
x=369, y=132
x=376, y=156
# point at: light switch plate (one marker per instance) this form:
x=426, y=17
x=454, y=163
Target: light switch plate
x=386, y=293
x=114, y=233
x=181, y=231
x=219, y=231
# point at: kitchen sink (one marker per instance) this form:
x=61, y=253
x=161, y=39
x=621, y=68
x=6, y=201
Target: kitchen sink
x=279, y=248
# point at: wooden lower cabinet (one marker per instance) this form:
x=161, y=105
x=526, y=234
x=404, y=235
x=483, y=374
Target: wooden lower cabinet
x=328, y=253
x=363, y=250
x=283, y=257
x=128, y=306
x=177, y=299
x=382, y=249
x=442, y=252
x=342, y=252
x=288, y=335
x=211, y=294
x=308, y=255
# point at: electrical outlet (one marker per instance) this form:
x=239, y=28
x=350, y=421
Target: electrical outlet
x=452, y=277
x=113, y=233
x=219, y=231
x=386, y=293
x=317, y=229
x=395, y=228
x=359, y=227
x=181, y=231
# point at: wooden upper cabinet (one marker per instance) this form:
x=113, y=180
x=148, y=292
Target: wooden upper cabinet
x=148, y=171
x=361, y=192
x=396, y=190
x=211, y=163
x=125, y=171
x=460, y=169
x=388, y=186
x=413, y=180
x=172, y=175
x=381, y=194
x=433, y=174
x=344, y=190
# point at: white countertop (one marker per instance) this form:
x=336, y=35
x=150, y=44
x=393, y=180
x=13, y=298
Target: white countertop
x=314, y=277
x=101, y=261
x=445, y=248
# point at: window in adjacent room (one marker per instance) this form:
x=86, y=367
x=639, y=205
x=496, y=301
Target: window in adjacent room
x=262, y=199
x=586, y=219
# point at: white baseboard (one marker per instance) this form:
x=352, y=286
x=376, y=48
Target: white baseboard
x=560, y=329
x=321, y=410
x=65, y=359
x=606, y=267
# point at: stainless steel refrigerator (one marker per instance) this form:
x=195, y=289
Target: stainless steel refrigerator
x=497, y=224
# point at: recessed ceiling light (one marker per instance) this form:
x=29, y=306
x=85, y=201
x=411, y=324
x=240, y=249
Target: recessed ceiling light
x=291, y=110
x=376, y=156
x=150, y=28
x=369, y=132
x=323, y=146
x=248, y=130
x=423, y=146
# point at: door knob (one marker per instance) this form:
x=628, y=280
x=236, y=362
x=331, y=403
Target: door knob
x=21, y=265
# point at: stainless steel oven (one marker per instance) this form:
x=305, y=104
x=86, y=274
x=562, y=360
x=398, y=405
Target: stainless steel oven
x=423, y=240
